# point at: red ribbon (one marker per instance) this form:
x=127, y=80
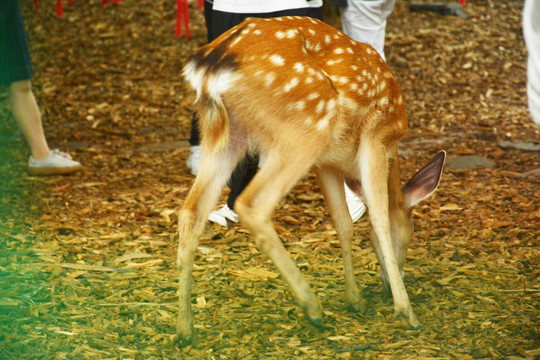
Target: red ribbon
x=462, y=2
x=182, y=13
x=200, y=4
x=59, y=9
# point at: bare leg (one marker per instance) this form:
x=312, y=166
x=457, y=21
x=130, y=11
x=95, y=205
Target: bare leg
x=26, y=112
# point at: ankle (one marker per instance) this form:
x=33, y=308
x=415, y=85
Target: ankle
x=41, y=154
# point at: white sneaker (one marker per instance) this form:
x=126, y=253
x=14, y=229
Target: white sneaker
x=220, y=216
x=194, y=160
x=56, y=163
x=262, y=159
x=355, y=205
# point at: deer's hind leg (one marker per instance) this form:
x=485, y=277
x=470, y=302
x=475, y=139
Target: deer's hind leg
x=213, y=174
x=255, y=207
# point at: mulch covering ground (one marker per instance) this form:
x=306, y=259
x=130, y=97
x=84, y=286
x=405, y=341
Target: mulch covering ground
x=87, y=265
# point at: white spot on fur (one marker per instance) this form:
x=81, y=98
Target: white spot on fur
x=313, y=96
x=269, y=79
x=238, y=38
x=291, y=84
x=383, y=101
x=330, y=105
x=308, y=80
x=327, y=39
x=298, y=67
x=320, y=107
x=291, y=33
x=323, y=124
x=300, y=105
x=280, y=34
x=277, y=60
x=338, y=51
x=342, y=80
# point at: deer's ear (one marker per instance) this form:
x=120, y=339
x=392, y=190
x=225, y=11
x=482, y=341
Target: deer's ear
x=425, y=181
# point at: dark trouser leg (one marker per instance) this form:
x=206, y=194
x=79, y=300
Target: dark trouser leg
x=194, y=137
x=242, y=175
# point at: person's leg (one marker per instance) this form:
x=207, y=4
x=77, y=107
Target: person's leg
x=195, y=153
x=531, y=32
x=365, y=21
x=26, y=112
x=242, y=175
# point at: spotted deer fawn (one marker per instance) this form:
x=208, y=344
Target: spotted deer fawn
x=307, y=97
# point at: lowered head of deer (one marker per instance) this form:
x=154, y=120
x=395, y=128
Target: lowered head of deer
x=308, y=97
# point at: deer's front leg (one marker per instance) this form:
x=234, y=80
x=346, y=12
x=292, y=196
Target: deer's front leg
x=334, y=193
x=374, y=173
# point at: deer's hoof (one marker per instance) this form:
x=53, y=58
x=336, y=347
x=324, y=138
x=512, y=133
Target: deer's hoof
x=188, y=338
x=408, y=320
x=317, y=322
x=356, y=306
